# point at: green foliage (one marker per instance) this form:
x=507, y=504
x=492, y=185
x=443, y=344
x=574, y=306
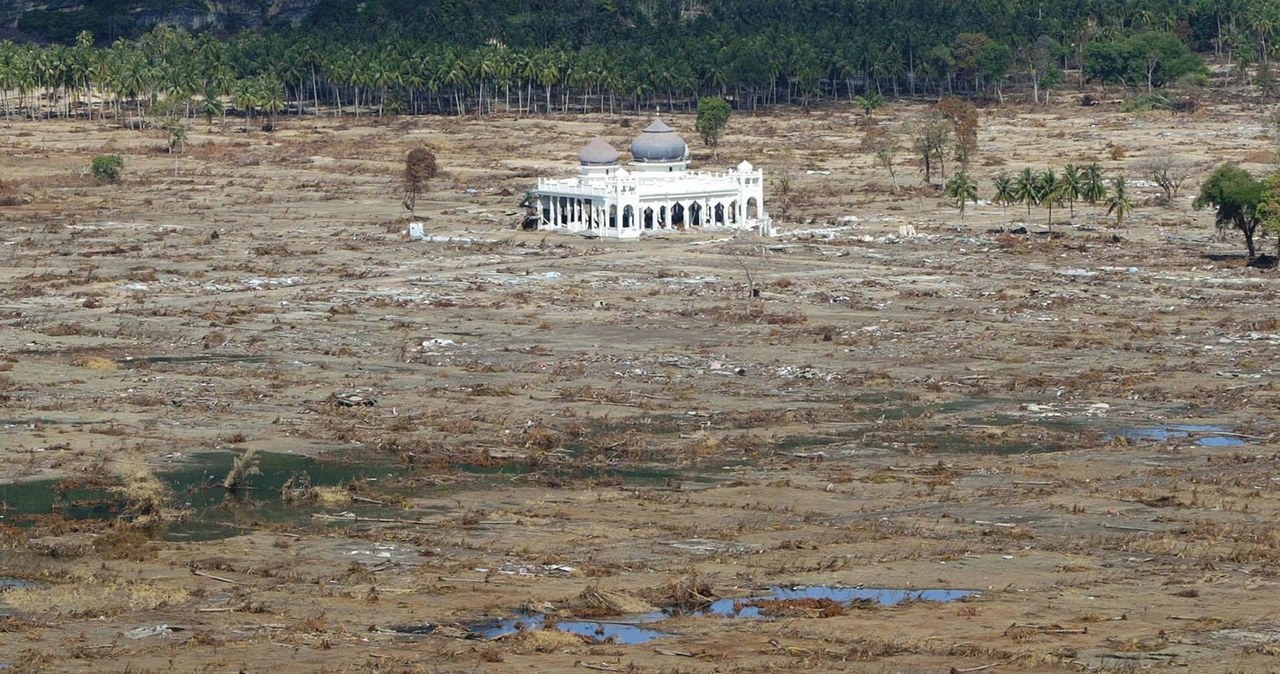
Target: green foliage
x=1153, y=58
x=1004, y=191
x=568, y=56
x=713, y=117
x=869, y=102
x=1050, y=191
x=177, y=135
x=1118, y=203
x=994, y=61
x=1072, y=186
x=963, y=189
x=106, y=168
x=1025, y=189
x=1236, y=195
x=1093, y=187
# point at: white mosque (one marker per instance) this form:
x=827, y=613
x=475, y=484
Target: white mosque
x=656, y=194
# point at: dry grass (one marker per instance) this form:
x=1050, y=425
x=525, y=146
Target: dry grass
x=95, y=598
x=146, y=498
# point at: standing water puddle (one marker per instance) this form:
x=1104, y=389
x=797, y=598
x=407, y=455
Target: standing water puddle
x=1205, y=436
x=617, y=632
x=210, y=513
x=634, y=630
x=7, y=583
x=745, y=608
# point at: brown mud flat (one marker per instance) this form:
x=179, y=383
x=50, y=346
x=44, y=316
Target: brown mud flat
x=1077, y=426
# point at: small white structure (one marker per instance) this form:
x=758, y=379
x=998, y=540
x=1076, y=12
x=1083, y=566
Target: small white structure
x=659, y=193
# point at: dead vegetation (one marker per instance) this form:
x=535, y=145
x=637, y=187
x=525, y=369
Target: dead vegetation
x=879, y=397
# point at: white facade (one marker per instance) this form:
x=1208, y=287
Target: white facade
x=656, y=194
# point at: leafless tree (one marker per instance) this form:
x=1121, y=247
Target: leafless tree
x=1167, y=170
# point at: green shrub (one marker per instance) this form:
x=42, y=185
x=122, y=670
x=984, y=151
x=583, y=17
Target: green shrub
x=106, y=168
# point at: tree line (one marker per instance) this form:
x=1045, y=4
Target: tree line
x=1048, y=189
x=552, y=56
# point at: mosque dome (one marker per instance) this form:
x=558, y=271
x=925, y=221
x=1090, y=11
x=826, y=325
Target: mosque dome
x=598, y=153
x=659, y=143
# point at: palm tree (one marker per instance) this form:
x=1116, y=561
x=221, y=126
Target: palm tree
x=1050, y=191
x=455, y=75
x=962, y=188
x=1093, y=188
x=549, y=69
x=1005, y=192
x=1072, y=186
x=1024, y=189
x=211, y=105
x=245, y=95
x=1118, y=202
x=269, y=94
x=8, y=74
x=383, y=72
x=868, y=102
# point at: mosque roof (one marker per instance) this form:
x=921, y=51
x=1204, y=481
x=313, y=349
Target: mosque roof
x=598, y=153
x=658, y=143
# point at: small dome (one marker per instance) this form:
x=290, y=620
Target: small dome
x=659, y=143
x=598, y=153
x=744, y=166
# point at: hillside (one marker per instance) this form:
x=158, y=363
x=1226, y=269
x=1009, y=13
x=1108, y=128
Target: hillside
x=61, y=20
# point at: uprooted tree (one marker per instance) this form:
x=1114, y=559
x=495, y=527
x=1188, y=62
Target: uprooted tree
x=419, y=168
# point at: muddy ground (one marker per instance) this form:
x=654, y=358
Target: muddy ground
x=1077, y=426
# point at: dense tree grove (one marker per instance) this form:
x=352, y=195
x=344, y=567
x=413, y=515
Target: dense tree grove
x=541, y=56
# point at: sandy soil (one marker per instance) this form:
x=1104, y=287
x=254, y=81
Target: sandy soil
x=968, y=408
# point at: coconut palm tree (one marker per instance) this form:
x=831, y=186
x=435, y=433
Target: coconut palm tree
x=1050, y=192
x=1005, y=193
x=962, y=188
x=1093, y=188
x=269, y=95
x=1118, y=203
x=1072, y=186
x=1024, y=189
x=245, y=95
